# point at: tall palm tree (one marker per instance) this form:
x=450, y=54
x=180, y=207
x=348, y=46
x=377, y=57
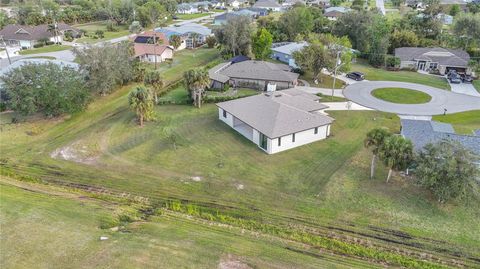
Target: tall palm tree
x=196, y=80
x=153, y=78
x=53, y=29
x=374, y=140
x=396, y=153
x=140, y=100
x=194, y=37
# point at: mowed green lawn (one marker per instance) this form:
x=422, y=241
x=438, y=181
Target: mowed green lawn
x=122, y=30
x=45, y=49
x=476, y=84
x=192, y=16
x=325, y=82
x=49, y=228
x=464, y=122
x=401, y=95
x=372, y=73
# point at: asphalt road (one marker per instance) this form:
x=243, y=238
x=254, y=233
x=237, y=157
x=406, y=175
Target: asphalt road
x=360, y=93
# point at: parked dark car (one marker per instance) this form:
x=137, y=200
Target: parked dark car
x=455, y=78
x=175, y=17
x=356, y=76
x=451, y=73
x=466, y=78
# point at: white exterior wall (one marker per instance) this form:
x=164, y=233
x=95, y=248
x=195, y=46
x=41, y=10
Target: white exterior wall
x=301, y=138
x=228, y=120
x=26, y=44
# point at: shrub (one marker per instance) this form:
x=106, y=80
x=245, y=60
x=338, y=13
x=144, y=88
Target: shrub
x=38, y=45
x=48, y=43
x=111, y=27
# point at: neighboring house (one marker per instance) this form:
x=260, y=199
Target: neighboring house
x=151, y=53
x=25, y=36
x=146, y=51
x=433, y=59
x=236, y=3
x=277, y=121
x=271, y=5
x=333, y=13
x=445, y=18
x=423, y=132
x=21, y=62
x=319, y=3
x=252, y=13
x=258, y=75
x=290, y=3
x=283, y=52
x=186, y=8
x=193, y=35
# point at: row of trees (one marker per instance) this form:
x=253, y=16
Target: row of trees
x=446, y=168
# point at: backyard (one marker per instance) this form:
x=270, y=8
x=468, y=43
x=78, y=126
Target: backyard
x=90, y=28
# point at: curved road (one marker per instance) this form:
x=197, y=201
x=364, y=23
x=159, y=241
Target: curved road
x=360, y=93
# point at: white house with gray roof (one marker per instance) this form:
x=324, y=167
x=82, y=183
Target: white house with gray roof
x=277, y=121
x=283, y=51
x=271, y=5
x=433, y=59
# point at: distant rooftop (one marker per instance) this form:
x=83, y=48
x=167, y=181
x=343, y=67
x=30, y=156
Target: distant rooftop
x=453, y=57
x=251, y=69
x=279, y=113
x=422, y=132
x=185, y=29
x=289, y=48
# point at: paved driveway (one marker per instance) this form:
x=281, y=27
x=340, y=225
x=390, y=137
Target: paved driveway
x=360, y=93
x=464, y=88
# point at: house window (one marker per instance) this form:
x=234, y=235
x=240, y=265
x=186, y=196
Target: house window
x=279, y=141
x=263, y=141
x=316, y=130
x=293, y=137
x=224, y=113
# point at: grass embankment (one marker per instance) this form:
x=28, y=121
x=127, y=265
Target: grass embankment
x=309, y=194
x=179, y=95
x=122, y=30
x=326, y=81
x=372, y=73
x=45, y=49
x=401, y=96
x=476, y=84
x=464, y=122
x=56, y=228
x=192, y=16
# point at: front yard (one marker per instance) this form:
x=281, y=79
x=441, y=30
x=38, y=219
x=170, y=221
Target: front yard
x=325, y=81
x=476, y=84
x=45, y=49
x=192, y=16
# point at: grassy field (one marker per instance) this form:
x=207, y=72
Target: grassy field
x=50, y=48
x=92, y=27
x=179, y=95
x=192, y=16
x=326, y=81
x=476, y=84
x=401, y=95
x=317, y=197
x=464, y=122
x=405, y=76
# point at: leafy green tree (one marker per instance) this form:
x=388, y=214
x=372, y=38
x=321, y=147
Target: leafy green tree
x=454, y=10
x=403, y=38
x=140, y=101
x=447, y=169
x=106, y=66
x=379, y=35
x=170, y=6
x=356, y=26
x=211, y=41
x=47, y=88
x=152, y=13
x=235, y=35
x=261, y=44
x=135, y=27
x=175, y=41
x=196, y=80
x=314, y=58
x=297, y=20
x=358, y=4
x=375, y=140
x=153, y=78
x=396, y=153
x=473, y=7
x=467, y=27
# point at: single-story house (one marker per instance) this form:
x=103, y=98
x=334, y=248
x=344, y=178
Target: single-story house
x=193, y=35
x=148, y=37
x=333, y=13
x=423, y=132
x=252, y=13
x=186, y=8
x=151, y=53
x=283, y=51
x=279, y=120
x=259, y=75
x=26, y=36
x=290, y=3
x=271, y=5
x=319, y=3
x=433, y=59
x=236, y=3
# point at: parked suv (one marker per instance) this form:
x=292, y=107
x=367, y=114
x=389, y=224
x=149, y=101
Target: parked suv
x=466, y=78
x=356, y=76
x=455, y=78
x=451, y=73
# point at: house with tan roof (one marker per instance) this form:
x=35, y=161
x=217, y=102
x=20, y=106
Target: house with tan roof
x=277, y=121
x=26, y=36
x=433, y=59
x=151, y=46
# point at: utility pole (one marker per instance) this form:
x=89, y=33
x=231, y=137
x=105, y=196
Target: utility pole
x=155, y=46
x=337, y=65
x=6, y=50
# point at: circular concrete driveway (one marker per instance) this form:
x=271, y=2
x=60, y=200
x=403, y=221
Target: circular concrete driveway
x=360, y=93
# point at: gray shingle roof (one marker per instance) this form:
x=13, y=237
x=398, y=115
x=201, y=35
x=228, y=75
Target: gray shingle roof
x=259, y=70
x=267, y=4
x=26, y=32
x=442, y=56
x=215, y=74
x=422, y=132
x=279, y=113
x=290, y=48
